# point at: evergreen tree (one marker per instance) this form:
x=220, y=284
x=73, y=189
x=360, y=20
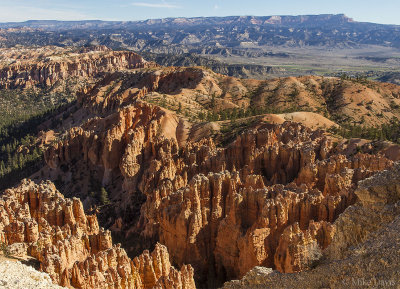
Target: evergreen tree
x=103, y=196
x=2, y=168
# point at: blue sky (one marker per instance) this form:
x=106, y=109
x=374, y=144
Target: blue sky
x=383, y=11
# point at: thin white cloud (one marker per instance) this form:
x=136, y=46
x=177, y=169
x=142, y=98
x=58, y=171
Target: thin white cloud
x=155, y=5
x=23, y=13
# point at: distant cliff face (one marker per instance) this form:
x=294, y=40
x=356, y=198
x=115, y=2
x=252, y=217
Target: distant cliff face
x=182, y=35
x=46, y=72
x=182, y=22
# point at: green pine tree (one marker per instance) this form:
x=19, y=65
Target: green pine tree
x=103, y=196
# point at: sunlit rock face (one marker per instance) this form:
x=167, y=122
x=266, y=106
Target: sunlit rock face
x=72, y=248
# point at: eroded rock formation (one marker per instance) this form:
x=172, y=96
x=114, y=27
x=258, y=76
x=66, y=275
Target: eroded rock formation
x=67, y=65
x=363, y=251
x=269, y=198
x=72, y=248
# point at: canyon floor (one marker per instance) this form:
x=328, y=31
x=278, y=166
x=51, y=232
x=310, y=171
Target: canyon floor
x=135, y=175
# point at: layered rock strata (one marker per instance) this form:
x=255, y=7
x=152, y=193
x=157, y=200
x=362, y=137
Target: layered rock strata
x=73, y=249
x=47, y=72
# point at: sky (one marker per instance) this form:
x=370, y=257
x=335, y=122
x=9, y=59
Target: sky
x=383, y=11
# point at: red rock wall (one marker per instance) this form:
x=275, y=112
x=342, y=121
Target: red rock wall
x=84, y=65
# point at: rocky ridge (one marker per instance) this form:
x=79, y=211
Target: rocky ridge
x=197, y=90
x=106, y=75
x=260, y=198
x=182, y=35
x=73, y=249
x=51, y=67
x=235, y=70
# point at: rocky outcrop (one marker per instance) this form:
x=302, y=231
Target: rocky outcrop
x=119, y=143
x=269, y=198
x=46, y=72
x=240, y=225
x=239, y=215
x=112, y=268
x=72, y=248
x=298, y=249
x=377, y=206
x=363, y=251
x=119, y=89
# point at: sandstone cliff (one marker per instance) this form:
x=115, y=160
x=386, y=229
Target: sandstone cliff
x=46, y=70
x=72, y=248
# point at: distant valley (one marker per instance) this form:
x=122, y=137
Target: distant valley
x=243, y=46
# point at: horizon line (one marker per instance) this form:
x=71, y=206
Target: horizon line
x=194, y=17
